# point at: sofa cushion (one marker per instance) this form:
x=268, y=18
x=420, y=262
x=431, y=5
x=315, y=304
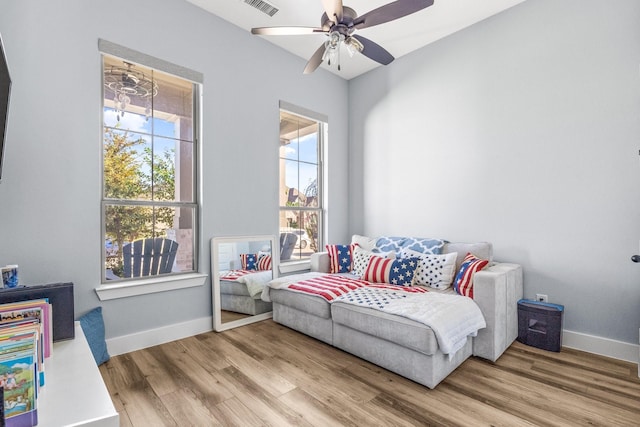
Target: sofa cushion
x=366, y=243
x=228, y=287
x=418, y=244
x=400, y=330
x=340, y=258
x=436, y=271
x=393, y=271
x=482, y=250
x=311, y=304
x=464, y=279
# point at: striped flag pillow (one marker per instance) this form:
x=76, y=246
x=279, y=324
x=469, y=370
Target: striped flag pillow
x=393, y=271
x=264, y=262
x=463, y=283
x=340, y=258
x=248, y=261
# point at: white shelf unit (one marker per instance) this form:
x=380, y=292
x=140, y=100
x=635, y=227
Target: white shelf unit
x=74, y=393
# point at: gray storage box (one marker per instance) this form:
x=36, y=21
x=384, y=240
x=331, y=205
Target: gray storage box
x=540, y=324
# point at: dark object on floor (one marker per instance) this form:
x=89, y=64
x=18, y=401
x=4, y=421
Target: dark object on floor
x=540, y=324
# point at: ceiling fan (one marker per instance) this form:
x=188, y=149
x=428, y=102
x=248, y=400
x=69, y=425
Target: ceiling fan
x=339, y=23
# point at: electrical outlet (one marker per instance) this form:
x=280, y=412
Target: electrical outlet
x=542, y=298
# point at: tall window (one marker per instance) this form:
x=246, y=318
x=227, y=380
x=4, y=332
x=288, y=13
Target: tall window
x=301, y=141
x=149, y=200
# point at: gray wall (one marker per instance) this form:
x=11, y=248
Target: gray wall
x=521, y=130
x=50, y=191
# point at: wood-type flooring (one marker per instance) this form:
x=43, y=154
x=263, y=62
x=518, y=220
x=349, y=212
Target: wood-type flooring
x=265, y=374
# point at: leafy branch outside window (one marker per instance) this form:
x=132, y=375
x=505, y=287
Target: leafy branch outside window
x=132, y=172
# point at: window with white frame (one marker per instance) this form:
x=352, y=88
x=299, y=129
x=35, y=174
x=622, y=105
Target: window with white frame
x=149, y=168
x=302, y=137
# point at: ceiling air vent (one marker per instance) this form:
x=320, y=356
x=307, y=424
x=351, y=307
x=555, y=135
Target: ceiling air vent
x=263, y=6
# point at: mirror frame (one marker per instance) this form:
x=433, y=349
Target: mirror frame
x=218, y=326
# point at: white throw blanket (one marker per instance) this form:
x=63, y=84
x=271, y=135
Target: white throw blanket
x=451, y=317
x=256, y=282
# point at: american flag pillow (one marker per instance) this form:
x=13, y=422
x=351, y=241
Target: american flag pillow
x=393, y=271
x=340, y=258
x=361, y=259
x=264, y=262
x=249, y=261
x=463, y=283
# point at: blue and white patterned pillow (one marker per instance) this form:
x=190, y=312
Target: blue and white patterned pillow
x=389, y=244
x=418, y=244
x=424, y=245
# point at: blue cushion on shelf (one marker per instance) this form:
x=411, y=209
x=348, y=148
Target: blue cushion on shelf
x=93, y=327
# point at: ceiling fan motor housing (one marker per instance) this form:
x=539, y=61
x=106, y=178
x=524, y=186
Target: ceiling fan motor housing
x=345, y=26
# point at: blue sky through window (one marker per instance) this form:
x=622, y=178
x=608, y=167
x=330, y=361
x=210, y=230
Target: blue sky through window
x=304, y=149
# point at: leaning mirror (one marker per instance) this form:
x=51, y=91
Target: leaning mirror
x=242, y=266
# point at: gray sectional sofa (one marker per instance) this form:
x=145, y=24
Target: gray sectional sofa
x=401, y=345
x=236, y=297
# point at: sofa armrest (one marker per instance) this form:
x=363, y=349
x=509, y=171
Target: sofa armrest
x=320, y=262
x=496, y=290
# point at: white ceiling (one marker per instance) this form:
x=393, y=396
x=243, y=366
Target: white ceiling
x=399, y=37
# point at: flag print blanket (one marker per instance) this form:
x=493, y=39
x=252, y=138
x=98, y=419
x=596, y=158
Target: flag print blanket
x=451, y=317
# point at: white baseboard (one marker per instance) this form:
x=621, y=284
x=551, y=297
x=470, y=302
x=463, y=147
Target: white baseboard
x=151, y=337
x=127, y=343
x=602, y=346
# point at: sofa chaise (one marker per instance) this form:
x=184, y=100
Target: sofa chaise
x=399, y=344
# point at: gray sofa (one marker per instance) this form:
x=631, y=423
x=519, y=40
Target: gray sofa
x=235, y=297
x=398, y=344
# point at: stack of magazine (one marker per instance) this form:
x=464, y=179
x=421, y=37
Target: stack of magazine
x=25, y=342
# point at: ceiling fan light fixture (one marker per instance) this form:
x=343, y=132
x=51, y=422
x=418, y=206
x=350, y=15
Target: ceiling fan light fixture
x=353, y=45
x=125, y=83
x=334, y=40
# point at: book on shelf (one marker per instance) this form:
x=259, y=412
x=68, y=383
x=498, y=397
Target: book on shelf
x=40, y=309
x=25, y=343
x=18, y=374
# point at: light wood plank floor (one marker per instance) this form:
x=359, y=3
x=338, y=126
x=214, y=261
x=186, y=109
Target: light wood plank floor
x=266, y=374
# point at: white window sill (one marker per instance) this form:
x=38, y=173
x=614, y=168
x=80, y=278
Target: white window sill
x=294, y=266
x=150, y=285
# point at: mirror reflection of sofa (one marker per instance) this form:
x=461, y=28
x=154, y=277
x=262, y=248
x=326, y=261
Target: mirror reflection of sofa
x=236, y=297
x=240, y=287
x=287, y=245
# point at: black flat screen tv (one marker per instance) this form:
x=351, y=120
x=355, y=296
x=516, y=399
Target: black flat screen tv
x=5, y=89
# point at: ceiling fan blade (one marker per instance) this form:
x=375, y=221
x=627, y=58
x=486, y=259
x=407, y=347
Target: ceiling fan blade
x=286, y=31
x=374, y=51
x=315, y=60
x=333, y=7
x=390, y=12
